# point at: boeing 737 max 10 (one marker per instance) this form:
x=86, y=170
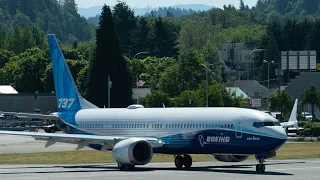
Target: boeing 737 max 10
x=133, y=134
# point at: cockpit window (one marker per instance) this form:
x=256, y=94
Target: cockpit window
x=265, y=123
x=277, y=123
x=258, y=124
x=268, y=123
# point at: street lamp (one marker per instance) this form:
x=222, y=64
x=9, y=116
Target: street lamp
x=137, y=80
x=255, y=50
x=207, y=99
x=265, y=61
x=139, y=54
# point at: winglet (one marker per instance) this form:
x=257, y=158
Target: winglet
x=293, y=116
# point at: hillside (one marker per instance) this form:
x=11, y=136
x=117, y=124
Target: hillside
x=50, y=16
x=93, y=11
x=289, y=7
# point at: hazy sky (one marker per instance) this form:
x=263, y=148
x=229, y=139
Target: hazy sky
x=157, y=3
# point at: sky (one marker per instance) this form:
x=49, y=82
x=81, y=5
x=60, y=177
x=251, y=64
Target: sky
x=157, y=3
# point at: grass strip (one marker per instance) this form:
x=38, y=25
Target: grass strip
x=287, y=151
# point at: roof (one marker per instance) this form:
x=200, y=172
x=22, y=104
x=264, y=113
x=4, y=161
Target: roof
x=7, y=89
x=250, y=86
x=238, y=91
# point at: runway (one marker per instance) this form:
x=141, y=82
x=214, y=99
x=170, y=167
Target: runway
x=280, y=169
x=275, y=169
x=22, y=144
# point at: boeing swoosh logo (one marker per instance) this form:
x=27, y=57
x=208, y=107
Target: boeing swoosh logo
x=212, y=139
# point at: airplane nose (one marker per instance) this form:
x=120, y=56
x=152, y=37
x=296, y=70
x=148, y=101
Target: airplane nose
x=280, y=132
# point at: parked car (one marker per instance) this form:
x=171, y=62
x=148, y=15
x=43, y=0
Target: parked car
x=307, y=116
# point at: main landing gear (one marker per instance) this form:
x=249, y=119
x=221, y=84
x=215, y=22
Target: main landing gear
x=185, y=160
x=125, y=167
x=261, y=167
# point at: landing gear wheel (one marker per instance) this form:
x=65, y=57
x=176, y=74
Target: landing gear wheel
x=130, y=168
x=263, y=168
x=187, y=160
x=178, y=161
x=122, y=167
x=258, y=167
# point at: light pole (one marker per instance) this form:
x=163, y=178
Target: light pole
x=265, y=61
x=139, y=54
x=207, y=99
x=137, y=80
x=255, y=50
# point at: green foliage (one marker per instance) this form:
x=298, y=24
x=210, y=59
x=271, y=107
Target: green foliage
x=170, y=80
x=186, y=99
x=164, y=38
x=282, y=102
x=125, y=22
x=157, y=99
x=311, y=96
x=315, y=129
x=108, y=60
x=25, y=69
x=50, y=16
x=154, y=67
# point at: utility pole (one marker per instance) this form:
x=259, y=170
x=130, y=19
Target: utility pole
x=207, y=99
x=137, y=82
x=109, y=87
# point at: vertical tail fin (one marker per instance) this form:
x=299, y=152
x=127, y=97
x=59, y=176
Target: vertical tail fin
x=293, y=116
x=67, y=95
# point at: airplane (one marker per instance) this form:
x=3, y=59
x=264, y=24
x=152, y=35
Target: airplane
x=135, y=133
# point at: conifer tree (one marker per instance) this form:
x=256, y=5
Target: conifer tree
x=108, y=60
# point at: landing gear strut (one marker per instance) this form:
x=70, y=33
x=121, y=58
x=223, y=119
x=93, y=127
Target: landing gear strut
x=185, y=161
x=260, y=167
x=126, y=167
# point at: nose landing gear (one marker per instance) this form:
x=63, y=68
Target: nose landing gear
x=185, y=161
x=260, y=167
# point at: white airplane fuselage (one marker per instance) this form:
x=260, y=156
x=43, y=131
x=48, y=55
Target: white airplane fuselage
x=186, y=130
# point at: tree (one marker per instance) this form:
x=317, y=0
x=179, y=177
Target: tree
x=311, y=96
x=242, y=6
x=141, y=37
x=156, y=99
x=186, y=99
x=125, y=22
x=108, y=60
x=164, y=38
x=24, y=71
x=282, y=102
x=170, y=81
x=192, y=71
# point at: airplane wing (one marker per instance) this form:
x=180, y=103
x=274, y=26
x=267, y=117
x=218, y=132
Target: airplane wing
x=293, y=117
x=82, y=140
x=35, y=116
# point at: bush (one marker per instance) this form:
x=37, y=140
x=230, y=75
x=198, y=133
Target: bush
x=315, y=129
x=307, y=128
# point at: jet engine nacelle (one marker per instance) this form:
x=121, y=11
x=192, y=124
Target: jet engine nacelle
x=133, y=151
x=231, y=158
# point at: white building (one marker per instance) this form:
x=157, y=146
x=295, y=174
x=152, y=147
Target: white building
x=237, y=60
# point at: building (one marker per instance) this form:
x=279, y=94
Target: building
x=28, y=102
x=237, y=59
x=140, y=93
x=255, y=91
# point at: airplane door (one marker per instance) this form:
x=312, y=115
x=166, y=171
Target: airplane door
x=239, y=129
